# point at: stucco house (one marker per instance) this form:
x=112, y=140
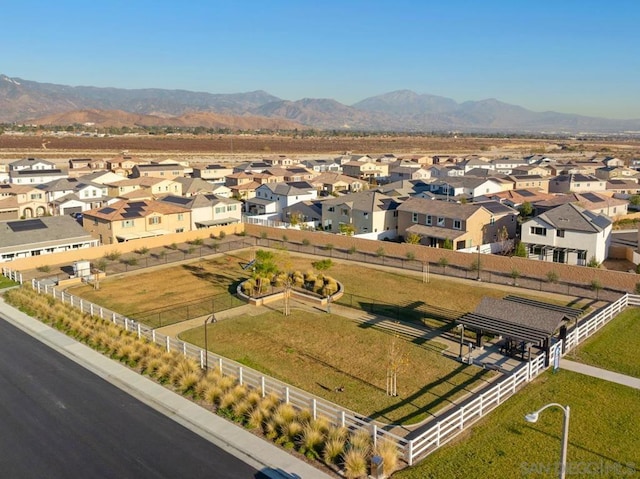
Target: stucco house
x=129, y=220
x=271, y=198
x=208, y=210
x=568, y=234
x=438, y=221
x=576, y=183
x=370, y=214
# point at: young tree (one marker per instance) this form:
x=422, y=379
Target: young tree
x=448, y=244
x=347, y=229
x=521, y=250
x=413, y=238
x=526, y=209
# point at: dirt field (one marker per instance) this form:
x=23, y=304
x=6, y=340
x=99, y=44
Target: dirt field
x=221, y=146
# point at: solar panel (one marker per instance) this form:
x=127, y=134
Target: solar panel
x=177, y=199
x=137, y=204
x=26, y=225
x=592, y=197
x=525, y=193
x=106, y=211
x=131, y=214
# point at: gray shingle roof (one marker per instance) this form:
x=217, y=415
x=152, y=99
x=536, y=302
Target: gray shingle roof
x=575, y=218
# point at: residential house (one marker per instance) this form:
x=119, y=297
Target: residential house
x=271, y=198
x=568, y=234
x=437, y=222
x=83, y=166
x=194, y=186
x=212, y=173
x=616, y=173
x=405, y=188
x=516, y=198
x=506, y=166
x=72, y=195
x=525, y=182
x=22, y=201
x=333, y=183
x=122, y=165
x=576, y=183
x=251, y=167
x=369, y=214
x=623, y=188
x=158, y=170
x=322, y=165
x=280, y=160
x=153, y=186
x=31, y=164
x=40, y=236
x=36, y=176
x=208, y=210
x=399, y=173
x=474, y=162
x=468, y=187
x=304, y=215
x=534, y=170
x=102, y=177
x=445, y=171
x=596, y=203
x=369, y=171
x=129, y=220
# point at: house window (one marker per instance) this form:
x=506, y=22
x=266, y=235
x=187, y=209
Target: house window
x=492, y=221
x=537, y=230
x=560, y=233
x=179, y=230
x=414, y=217
x=440, y=220
x=366, y=214
x=331, y=209
x=127, y=223
x=155, y=220
x=180, y=216
x=428, y=222
x=345, y=212
x=457, y=224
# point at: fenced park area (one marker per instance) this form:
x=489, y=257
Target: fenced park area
x=432, y=305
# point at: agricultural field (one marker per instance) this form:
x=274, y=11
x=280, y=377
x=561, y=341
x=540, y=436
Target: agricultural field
x=604, y=431
x=614, y=347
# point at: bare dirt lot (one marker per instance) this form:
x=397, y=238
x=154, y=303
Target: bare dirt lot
x=264, y=145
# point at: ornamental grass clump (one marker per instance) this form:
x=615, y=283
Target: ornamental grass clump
x=390, y=455
x=361, y=441
x=311, y=441
x=355, y=463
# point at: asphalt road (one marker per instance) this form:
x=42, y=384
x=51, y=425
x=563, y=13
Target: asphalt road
x=58, y=420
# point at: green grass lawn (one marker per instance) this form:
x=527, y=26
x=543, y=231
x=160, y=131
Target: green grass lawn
x=6, y=282
x=319, y=352
x=604, y=431
x=614, y=347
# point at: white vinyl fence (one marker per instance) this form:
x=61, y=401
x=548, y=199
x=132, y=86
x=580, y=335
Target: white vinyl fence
x=465, y=415
x=247, y=376
x=449, y=426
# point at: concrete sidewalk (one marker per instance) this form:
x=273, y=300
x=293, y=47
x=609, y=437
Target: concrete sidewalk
x=260, y=454
x=600, y=373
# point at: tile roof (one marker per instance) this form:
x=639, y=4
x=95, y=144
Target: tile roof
x=127, y=209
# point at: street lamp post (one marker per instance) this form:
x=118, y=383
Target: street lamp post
x=461, y=327
x=206, y=338
x=533, y=417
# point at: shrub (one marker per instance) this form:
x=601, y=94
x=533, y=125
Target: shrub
x=381, y=253
x=553, y=277
x=44, y=268
x=222, y=235
x=113, y=255
x=333, y=449
x=361, y=441
x=197, y=242
x=188, y=382
x=256, y=418
x=593, y=263
x=410, y=255
x=142, y=251
x=352, y=250
x=213, y=394
x=306, y=242
x=323, y=264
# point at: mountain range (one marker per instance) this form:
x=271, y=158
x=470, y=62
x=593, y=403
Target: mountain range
x=25, y=101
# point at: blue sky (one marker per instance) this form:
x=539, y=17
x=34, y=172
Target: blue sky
x=562, y=55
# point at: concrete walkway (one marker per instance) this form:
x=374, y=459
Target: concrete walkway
x=600, y=373
x=255, y=451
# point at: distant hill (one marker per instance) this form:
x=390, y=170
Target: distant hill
x=119, y=118
x=403, y=110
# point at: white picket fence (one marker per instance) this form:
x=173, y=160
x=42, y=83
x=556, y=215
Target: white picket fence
x=12, y=274
x=251, y=378
x=470, y=412
x=453, y=423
